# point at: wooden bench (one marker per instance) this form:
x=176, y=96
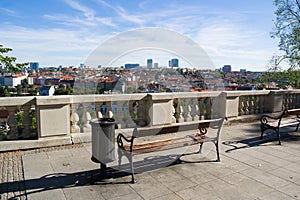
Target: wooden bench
x=127, y=146
x=285, y=119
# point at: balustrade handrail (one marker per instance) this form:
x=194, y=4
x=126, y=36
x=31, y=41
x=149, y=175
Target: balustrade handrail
x=238, y=103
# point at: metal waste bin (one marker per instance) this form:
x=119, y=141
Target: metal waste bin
x=103, y=140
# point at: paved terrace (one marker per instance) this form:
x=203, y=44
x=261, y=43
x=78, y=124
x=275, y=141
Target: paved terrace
x=249, y=169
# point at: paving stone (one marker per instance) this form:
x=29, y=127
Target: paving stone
x=293, y=167
x=166, y=174
x=266, y=178
x=262, y=165
x=285, y=174
x=275, y=195
x=176, y=186
x=292, y=190
x=82, y=192
x=132, y=196
x=225, y=171
x=196, y=192
x=47, y=194
x=227, y=193
x=241, y=157
x=254, y=188
x=189, y=169
x=239, y=167
x=203, y=178
x=235, y=178
x=216, y=185
x=154, y=191
x=172, y=196
x=110, y=191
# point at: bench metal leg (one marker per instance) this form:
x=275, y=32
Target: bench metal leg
x=200, y=148
x=132, y=169
x=261, y=136
x=297, y=127
x=278, y=136
x=218, y=153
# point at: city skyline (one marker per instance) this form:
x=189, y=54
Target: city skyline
x=65, y=32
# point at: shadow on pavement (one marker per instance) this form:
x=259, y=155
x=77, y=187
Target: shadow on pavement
x=287, y=135
x=91, y=177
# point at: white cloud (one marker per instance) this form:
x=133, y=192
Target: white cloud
x=50, y=46
x=89, y=19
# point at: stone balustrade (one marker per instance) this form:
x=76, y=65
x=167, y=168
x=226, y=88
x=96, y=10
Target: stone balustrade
x=39, y=117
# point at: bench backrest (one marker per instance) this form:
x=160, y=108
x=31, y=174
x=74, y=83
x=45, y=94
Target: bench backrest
x=207, y=124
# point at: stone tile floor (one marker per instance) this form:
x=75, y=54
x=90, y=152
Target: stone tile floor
x=249, y=169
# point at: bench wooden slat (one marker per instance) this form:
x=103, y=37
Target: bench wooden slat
x=165, y=144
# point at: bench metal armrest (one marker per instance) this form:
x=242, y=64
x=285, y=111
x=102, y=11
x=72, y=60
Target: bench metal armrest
x=121, y=138
x=265, y=119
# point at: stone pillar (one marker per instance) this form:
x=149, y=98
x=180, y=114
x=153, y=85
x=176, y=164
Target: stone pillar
x=53, y=116
x=232, y=104
x=274, y=101
x=159, y=109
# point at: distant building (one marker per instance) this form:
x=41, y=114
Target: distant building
x=174, y=63
x=131, y=66
x=34, y=66
x=155, y=65
x=12, y=80
x=226, y=68
x=149, y=63
x=47, y=90
x=243, y=70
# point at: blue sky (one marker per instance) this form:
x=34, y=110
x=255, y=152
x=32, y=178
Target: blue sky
x=65, y=32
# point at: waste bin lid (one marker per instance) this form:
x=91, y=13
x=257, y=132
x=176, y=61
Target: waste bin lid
x=103, y=121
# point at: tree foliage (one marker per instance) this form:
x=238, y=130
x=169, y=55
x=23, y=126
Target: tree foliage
x=8, y=62
x=287, y=30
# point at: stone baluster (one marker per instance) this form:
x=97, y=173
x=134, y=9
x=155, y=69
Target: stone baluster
x=196, y=112
x=173, y=115
x=202, y=108
x=129, y=121
x=98, y=112
x=183, y=109
x=297, y=101
x=180, y=113
x=86, y=119
x=76, y=120
x=208, y=108
x=12, y=123
x=294, y=100
x=108, y=110
x=188, y=110
x=261, y=104
x=119, y=114
x=241, y=106
x=26, y=122
x=251, y=104
x=287, y=101
x=72, y=118
x=246, y=105
x=141, y=118
x=284, y=101
x=256, y=104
